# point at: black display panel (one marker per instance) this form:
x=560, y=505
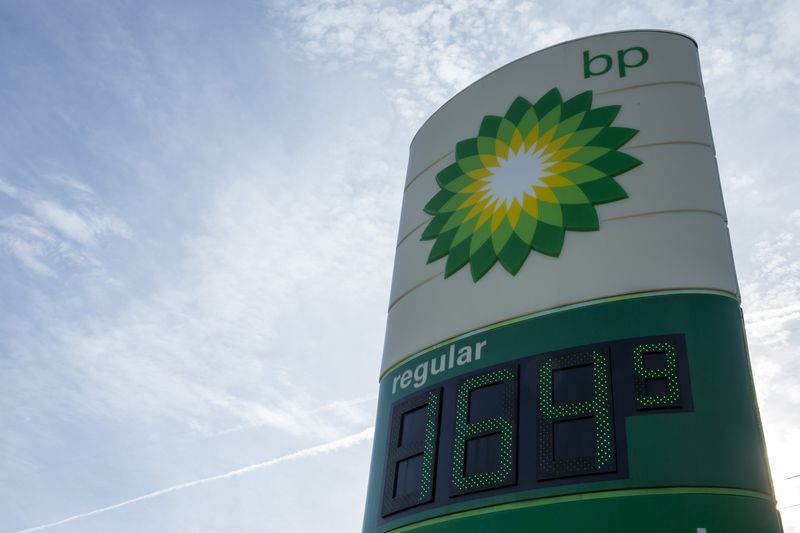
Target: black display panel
x=485, y=432
x=575, y=417
x=412, y=452
x=547, y=419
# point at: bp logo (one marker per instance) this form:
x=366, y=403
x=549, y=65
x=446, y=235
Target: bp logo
x=524, y=180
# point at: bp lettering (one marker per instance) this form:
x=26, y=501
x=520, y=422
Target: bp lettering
x=626, y=59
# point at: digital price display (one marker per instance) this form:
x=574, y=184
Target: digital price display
x=562, y=408
x=564, y=348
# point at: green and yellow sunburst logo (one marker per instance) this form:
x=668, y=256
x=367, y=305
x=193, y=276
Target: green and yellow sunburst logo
x=526, y=178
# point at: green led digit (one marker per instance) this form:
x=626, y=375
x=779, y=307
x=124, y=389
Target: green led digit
x=411, y=463
x=429, y=447
x=656, y=375
x=575, y=429
x=499, y=429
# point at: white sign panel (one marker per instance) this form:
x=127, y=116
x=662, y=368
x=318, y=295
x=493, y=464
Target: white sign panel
x=581, y=172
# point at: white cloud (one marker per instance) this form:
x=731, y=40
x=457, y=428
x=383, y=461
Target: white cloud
x=743, y=181
x=436, y=49
x=65, y=180
x=245, y=331
x=68, y=223
x=431, y=50
x=771, y=300
x=41, y=232
x=8, y=189
x=30, y=254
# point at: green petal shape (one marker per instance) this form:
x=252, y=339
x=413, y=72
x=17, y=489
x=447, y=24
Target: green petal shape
x=566, y=156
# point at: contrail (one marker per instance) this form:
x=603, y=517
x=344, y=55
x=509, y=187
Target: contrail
x=328, y=407
x=336, y=445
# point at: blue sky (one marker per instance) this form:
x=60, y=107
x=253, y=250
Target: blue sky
x=198, y=211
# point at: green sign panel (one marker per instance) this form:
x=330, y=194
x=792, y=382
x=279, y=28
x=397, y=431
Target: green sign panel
x=647, y=412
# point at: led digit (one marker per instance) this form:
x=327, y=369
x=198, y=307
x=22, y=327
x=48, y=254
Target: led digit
x=656, y=376
x=575, y=420
x=484, y=441
x=413, y=446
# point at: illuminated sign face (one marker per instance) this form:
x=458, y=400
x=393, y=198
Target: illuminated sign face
x=566, y=411
x=597, y=379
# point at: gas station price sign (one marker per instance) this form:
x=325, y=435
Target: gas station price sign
x=565, y=349
x=566, y=409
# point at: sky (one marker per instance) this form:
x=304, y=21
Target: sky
x=199, y=204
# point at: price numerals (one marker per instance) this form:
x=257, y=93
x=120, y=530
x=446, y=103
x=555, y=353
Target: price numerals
x=557, y=410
